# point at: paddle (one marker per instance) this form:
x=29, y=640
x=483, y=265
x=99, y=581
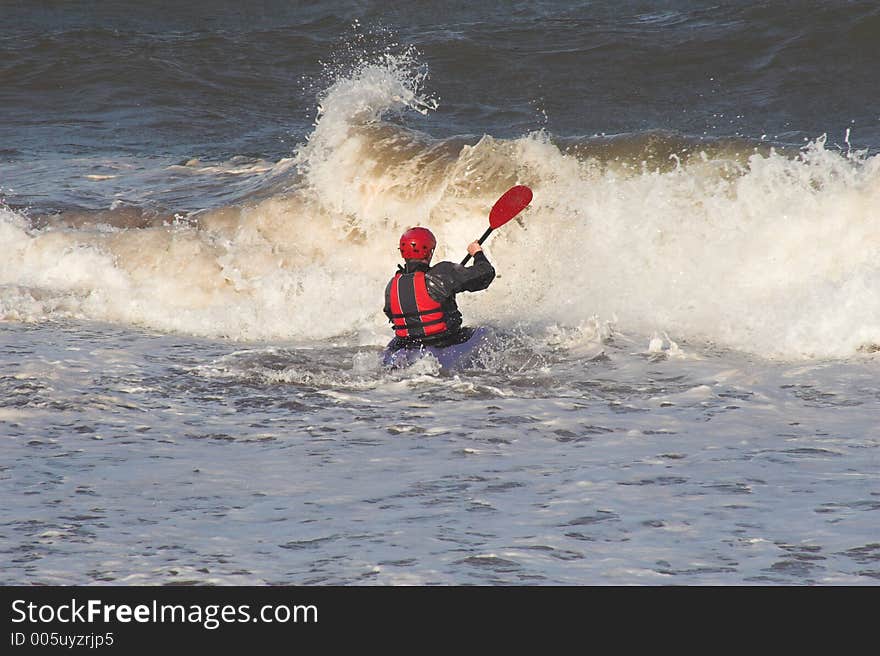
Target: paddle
x=511, y=203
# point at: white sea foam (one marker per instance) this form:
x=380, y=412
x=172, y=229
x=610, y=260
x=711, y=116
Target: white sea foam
x=778, y=258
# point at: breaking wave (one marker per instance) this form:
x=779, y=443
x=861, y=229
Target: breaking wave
x=735, y=242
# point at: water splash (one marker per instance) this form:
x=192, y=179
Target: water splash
x=736, y=244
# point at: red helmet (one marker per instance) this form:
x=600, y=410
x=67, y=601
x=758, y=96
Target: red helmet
x=417, y=244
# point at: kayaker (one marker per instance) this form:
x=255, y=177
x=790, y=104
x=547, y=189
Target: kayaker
x=420, y=298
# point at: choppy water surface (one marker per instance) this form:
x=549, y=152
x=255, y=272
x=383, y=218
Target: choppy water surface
x=199, y=211
x=144, y=458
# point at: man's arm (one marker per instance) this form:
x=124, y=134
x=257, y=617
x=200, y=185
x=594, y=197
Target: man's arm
x=387, y=308
x=476, y=277
x=457, y=278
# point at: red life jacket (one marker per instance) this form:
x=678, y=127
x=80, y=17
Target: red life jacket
x=413, y=312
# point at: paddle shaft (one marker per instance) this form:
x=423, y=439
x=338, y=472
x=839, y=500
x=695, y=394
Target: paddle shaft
x=479, y=241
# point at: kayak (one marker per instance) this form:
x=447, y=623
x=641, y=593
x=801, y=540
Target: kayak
x=454, y=356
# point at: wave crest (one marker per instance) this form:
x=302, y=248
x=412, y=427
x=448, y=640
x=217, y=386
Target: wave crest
x=729, y=241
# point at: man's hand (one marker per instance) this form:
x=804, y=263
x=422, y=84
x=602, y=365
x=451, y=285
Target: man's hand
x=474, y=248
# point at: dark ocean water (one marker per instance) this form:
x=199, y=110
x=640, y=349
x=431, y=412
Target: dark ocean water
x=200, y=204
x=217, y=79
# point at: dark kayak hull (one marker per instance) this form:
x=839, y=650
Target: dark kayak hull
x=454, y=356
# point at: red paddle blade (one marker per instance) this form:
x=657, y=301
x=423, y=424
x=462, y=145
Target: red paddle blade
x=509, y=205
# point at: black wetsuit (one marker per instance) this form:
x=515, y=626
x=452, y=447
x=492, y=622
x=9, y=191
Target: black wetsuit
x=444, y=280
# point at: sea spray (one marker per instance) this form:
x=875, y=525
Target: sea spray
x=741, y=246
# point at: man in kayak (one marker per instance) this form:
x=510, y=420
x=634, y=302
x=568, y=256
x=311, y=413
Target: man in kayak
x=420, y=298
